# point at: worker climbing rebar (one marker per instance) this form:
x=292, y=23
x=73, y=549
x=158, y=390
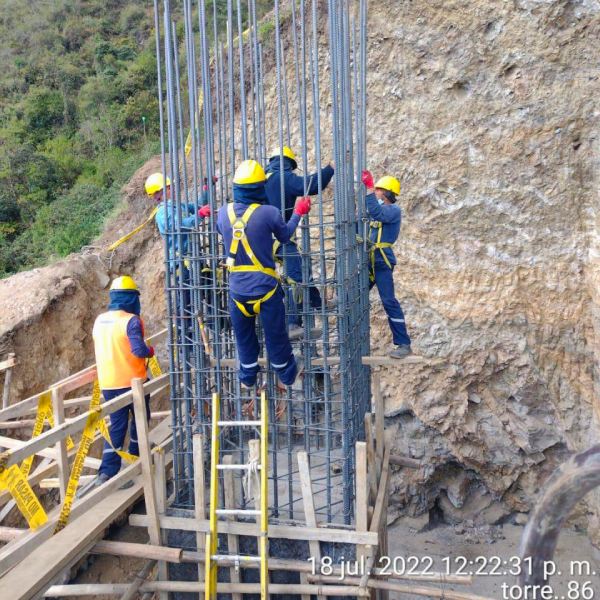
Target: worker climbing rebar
x=248, y=225
x=384, y=230
x=283, y=195
x=121, y=354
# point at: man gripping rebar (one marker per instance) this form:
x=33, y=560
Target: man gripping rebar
x=384, y=230
x=248, y=226
x=121, y=354
x=293, y=187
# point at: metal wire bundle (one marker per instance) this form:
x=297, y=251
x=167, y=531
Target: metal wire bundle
x=219, y=92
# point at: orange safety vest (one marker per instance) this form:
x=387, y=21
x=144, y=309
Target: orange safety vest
x=115, y=363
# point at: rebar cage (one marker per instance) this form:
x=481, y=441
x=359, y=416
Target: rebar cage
x=216, y=109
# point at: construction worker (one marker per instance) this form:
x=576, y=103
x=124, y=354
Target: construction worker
x=384, y=230
x=293, y=187
x=248, y=225
x=156, y=189
x=121, y=354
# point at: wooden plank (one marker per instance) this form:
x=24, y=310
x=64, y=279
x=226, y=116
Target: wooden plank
x=7, y=380
x=378, y=408
x=77, y=424
x=8, y=363
x=405, y=461
x=285, y=532
x=309, y=512
x=134, y=550
x=11, y=443
x=61, y=446
x=141, y=423
x=14, y=552
x=411, y=359
x=199, y=494
x=233, y=546
x=140, y=577
x=371, y=459
x=30, y=404
x=380, y=503
x=362, y=492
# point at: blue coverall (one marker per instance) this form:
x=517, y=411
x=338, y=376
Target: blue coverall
x=111, y=461
x=293, y=188
x=388, y=218
x=265, y=222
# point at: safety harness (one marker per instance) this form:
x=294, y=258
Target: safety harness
x=238, y=234
x=377, y=245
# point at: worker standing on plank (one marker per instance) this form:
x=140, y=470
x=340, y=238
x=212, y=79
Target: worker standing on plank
x=293, y=187
x=248, y=225
x=121, y=354
x=384, y=230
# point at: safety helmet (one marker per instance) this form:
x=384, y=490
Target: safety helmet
x=249, y=171
x=286, y=151
x=124, y=284
x=155, y=183
x=391, y=184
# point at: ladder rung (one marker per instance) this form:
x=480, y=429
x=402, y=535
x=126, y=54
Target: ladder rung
x=246, y=466
x=238, y=423
x=235, y=557
x=237, y=511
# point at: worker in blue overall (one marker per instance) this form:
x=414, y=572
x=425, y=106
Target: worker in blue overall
x=248, y=226
x=384, y=230
x=293, y=186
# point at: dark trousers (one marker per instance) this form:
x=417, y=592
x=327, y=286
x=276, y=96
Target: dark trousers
x=279, y=349
x=385, y=286
x=292, y=264
x=111, y=461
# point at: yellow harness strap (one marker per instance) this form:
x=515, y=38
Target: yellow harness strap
x=238, y=235
x=378, y=245
x=255, y=304
x=238, y=226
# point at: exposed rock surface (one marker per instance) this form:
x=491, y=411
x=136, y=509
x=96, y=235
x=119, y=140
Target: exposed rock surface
x=488, y=112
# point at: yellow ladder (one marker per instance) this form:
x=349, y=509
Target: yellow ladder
x=212, y=538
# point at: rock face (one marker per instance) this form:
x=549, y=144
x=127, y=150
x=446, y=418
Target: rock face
x=488, y=112
x=494, y=111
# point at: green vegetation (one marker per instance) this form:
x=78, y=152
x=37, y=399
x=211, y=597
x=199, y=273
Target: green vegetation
x=78, y=115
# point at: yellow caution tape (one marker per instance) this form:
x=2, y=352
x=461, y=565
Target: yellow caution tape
x=120, y=241
x=154, y=367
x=104, y=432
x=12, y=479
x=44, y=413
x=87, y=437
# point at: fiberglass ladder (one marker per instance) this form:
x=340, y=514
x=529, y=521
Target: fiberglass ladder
x=212, y=538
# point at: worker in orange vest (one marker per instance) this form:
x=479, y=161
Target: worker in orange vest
x=121, y=354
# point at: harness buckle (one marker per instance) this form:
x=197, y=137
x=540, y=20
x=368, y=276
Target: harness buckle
x=238, y=229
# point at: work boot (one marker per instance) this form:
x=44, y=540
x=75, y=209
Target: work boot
x=92, y=485
x=401, y=351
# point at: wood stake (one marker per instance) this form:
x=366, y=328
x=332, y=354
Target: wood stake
x=61, y=446
x=233, y=544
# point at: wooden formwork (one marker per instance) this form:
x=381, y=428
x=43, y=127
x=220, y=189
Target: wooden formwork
x=32, y=561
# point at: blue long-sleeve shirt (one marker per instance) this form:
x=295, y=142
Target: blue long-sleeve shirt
x=265, y=223
x=390, y=217
x=135, y=335
x=293, y=184
x=163, y=222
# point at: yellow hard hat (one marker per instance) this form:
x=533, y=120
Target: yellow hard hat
x=286, y=151
x=155, y=183
x=391, y=184
x=249, y=172
x=124, y=283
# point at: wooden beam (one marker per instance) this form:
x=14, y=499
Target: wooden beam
x=286, y=532
x=405, y=461
x=233, y=546
x=61, y=446
x=361, y=495
x=141, y=423
x=11, y=443
x=139, y=579
x=8, y=363
x=15, y=552
x=199, y=494
x=149, y=551
x=52, y=436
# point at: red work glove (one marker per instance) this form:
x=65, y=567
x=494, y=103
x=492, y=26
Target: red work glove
x=302, y=206
x=151, y=348
x=367, y=179
x=204, y=211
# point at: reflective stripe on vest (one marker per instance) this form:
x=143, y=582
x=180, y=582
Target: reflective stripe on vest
x=378, y=245
x=238, y=234
x=115, y=363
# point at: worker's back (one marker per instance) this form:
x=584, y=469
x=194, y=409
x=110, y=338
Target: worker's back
x=115, y=362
